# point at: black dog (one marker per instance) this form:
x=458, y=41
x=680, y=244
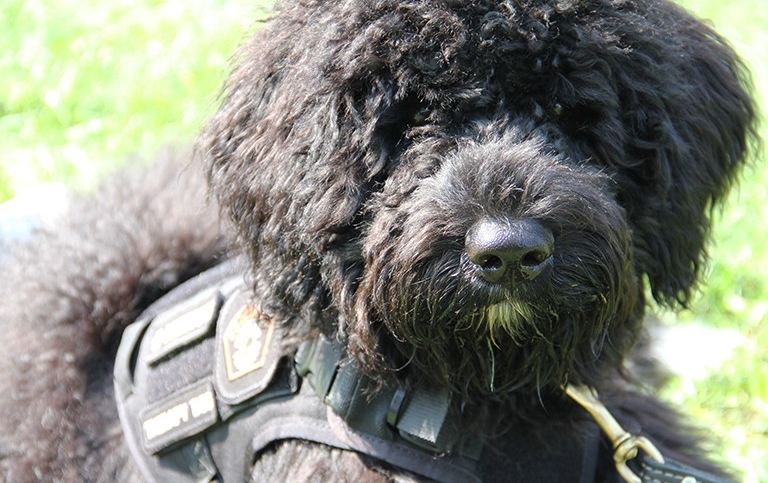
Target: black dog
x=453, y=210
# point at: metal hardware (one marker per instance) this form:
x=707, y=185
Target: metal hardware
x=625, y=445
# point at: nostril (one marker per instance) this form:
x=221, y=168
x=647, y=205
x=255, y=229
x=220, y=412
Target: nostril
x=535, y=263
x=490, y=262
x=534, y=258
x=491, y=267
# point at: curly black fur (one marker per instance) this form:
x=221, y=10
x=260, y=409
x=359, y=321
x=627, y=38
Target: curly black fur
x=617, y=125
x=357, y=146
x=66, y=296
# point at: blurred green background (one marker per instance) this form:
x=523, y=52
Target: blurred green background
x=86, y=84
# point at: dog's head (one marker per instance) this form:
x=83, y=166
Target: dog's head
x=482, y=191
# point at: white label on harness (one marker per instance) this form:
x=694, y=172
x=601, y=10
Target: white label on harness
x=179, y=417
x=179, y=329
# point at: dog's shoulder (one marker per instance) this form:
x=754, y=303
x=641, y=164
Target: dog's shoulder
x=69, y=289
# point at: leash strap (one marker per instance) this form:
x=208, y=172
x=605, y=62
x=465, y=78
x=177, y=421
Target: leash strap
x=654, y=468
x=671, y=471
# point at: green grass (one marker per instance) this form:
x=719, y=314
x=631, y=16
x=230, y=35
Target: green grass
x=87, y=83
x=733, y=401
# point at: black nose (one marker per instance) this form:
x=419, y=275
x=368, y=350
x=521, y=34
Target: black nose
x=516, y=249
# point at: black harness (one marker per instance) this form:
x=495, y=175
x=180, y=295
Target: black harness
x=204, y=384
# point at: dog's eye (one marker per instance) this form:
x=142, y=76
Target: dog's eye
x=421, y=116
x=553, y=112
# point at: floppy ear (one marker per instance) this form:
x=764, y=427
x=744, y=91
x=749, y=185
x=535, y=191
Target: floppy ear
x=687, y=120
x=289, y=155
x=689, y=145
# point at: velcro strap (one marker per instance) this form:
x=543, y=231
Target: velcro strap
x=671, y=471
x=317, y=361
x=424, y=421
x=181, y=325
x=418, y=415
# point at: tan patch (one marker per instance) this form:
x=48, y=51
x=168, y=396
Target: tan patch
x=246, y=342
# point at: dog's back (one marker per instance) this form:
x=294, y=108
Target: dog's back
x=66, y=294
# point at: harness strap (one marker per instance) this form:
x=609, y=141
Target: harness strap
x=419, y=415
x=184, y=422
x=204, y=382
x=303, y=417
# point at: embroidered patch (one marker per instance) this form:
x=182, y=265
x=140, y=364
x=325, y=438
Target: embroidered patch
x=246, y=342
x=187, y=323
x=247, y=350
x=184, y=414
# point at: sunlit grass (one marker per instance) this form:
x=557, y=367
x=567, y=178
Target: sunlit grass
x=733, y=401
x=86, y=83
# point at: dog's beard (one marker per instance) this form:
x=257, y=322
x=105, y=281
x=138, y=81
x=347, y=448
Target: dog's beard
x=455, y=334
x=481, y=348
x=507, y=317
x=489, y=342
x=508, y=312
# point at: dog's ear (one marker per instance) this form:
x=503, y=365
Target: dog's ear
x=686, y=120
x=287, y=153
